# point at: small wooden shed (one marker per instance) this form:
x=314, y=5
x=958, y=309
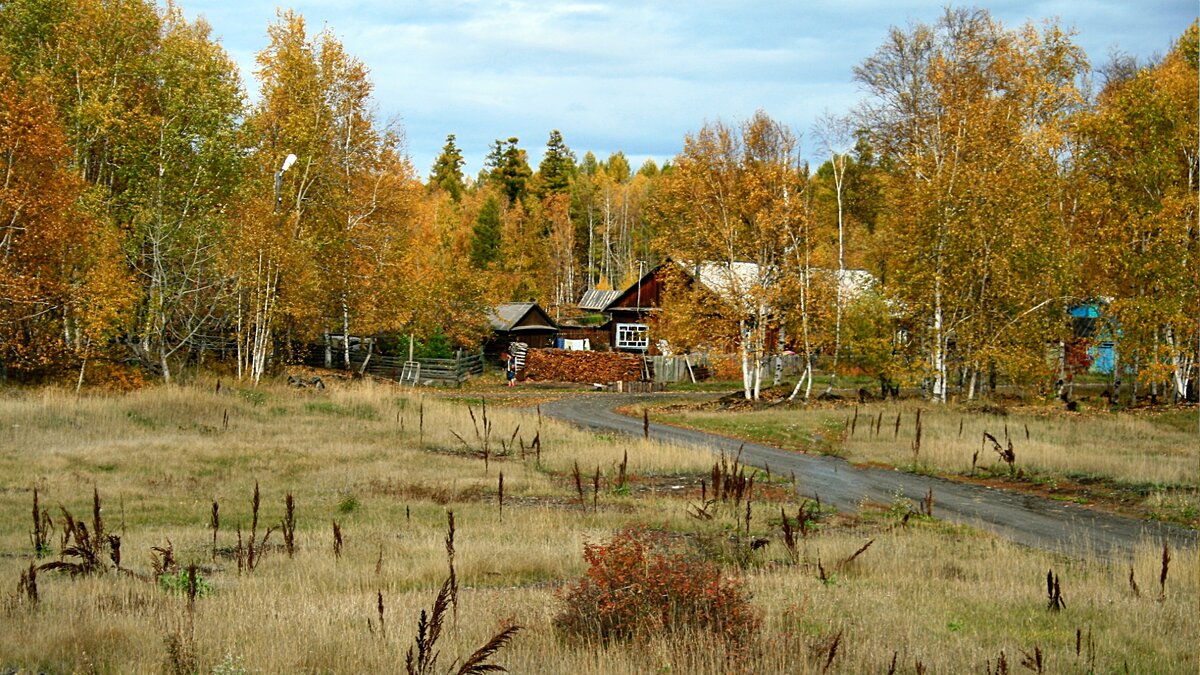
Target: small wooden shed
x=519, y=322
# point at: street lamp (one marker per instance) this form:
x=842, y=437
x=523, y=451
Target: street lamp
x=287, y=164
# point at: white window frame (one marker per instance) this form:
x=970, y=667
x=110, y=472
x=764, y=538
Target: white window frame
x=633, y=336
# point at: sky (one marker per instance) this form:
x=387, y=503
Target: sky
x=635, y=76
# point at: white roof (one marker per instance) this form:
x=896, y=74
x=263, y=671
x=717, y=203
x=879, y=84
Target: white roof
x=735, y=282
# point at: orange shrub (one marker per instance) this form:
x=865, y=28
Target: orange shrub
x=637, y=584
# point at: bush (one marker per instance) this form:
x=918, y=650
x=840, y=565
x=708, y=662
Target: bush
x=638, y=584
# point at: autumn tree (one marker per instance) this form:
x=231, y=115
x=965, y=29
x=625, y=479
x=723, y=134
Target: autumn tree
x=1141, y=153
x=181, y=214
x=723, y=212
x=150, y=105
x=325, y=252
x=971, y=118
x=63, y=289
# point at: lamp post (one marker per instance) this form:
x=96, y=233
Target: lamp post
x=287, y=164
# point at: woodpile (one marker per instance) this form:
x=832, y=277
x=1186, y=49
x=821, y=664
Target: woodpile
x=559, y=365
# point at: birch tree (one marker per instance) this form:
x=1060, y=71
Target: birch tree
x=1141, y=152
x=722, y=212
x=971, y=117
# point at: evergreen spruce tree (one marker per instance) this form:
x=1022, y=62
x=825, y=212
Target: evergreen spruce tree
x=447, y=170
x=485, y=239
x=557, y=167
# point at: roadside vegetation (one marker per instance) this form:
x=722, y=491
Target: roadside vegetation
x=1142, y=462
x=222, y=529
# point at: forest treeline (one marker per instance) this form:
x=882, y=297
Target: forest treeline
x=992, y=180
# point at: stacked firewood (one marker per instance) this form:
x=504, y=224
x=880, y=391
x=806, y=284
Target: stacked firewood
x=559, y=365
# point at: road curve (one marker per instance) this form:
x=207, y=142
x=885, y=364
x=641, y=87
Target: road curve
x=1026, y=519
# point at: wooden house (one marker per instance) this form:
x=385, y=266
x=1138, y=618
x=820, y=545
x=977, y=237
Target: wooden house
x=519, y=322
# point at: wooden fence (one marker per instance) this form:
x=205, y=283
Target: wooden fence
x=433, y=371
x=675, y=368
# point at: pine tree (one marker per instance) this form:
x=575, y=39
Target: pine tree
x=507, y=169
x=447, y=170
x=485, y=240
x=557, y=167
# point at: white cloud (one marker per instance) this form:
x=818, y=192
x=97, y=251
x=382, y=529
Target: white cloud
x=633, y=75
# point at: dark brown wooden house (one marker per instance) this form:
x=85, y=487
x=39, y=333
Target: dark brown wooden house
x=632, y=310
x=519, y=322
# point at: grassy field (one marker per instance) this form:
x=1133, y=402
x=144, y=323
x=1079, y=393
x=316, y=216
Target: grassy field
x=1144, y=463
x=389, y=467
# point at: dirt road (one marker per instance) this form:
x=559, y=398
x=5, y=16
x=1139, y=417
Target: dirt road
x=1033, y=521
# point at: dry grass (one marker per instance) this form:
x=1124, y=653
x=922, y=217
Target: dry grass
x=945, y=596
x=1153, y=458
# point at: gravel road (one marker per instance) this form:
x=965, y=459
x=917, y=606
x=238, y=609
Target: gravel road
x=1026, y=519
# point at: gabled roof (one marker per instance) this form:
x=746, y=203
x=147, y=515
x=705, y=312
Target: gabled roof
x=619, y=299
x=520, y=316
x=733, y=282
x=596, y=300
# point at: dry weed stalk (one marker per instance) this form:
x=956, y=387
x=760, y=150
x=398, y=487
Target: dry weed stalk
x=701, y=512
x=429, y=630
x=842, y=565
x=1033, y=661
x=729, y=481
x=789, y=532
x=827, y=650
x=1001, y=665
x=646, y=423
x=452, y=578
x=379, y=614
x=621, y=469
x=214, y=522
x=239, y=553
x=916, y=444
x=39, y=536
x=78, y=542
x=1080, y=644
x=181, y=644
x=27, y=585
x=878, y=423
x=162, y=560
x=288, y=525
x=1053, y=593
x=1162, y=577
x=500, y=496
x=1008, y=455
x=255, y=548
x=337, y=541
x=896, y=431
x=854, y=422
x=927, y=504
x=596, y=489
x=1133, y=584
x=578, y=482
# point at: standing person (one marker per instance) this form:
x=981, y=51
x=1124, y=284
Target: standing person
x=510, y=368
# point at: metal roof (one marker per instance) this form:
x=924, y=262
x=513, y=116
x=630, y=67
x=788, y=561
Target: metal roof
x=506, y=316
x=596, y=300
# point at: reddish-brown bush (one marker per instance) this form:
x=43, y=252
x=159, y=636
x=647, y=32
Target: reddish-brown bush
x=638, y=584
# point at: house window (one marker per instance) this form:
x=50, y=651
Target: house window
x=633, y=336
